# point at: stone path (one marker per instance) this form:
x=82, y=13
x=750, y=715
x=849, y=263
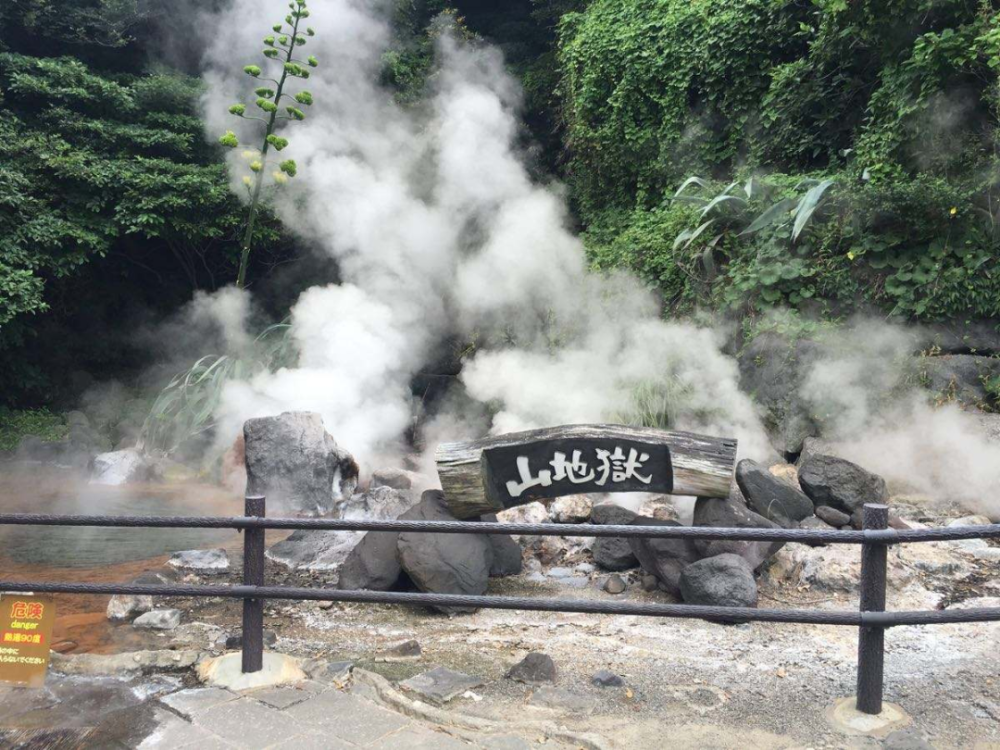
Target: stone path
x=109, y=713
x=308, y=715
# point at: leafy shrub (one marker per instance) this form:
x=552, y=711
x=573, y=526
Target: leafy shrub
x=16, y=424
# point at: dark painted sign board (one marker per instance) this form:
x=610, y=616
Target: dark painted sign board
x=520, y=473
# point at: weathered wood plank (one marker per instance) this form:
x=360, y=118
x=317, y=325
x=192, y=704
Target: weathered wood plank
x=475, y=475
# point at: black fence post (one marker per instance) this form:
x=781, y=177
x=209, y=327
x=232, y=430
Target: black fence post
x=871, y=639
x=253, y=575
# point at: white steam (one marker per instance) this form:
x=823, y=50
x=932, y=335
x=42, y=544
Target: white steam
x=440, y=232
x=441, y=235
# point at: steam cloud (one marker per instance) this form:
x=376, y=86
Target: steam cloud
x=441, y=234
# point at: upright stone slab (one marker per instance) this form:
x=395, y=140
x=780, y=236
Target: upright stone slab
x=296, y=464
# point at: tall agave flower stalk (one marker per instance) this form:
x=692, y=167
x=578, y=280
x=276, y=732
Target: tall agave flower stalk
x=279, y=48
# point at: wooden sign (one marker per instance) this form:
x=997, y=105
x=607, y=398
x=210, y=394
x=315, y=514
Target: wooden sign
x=25, y=638
x=489, y=475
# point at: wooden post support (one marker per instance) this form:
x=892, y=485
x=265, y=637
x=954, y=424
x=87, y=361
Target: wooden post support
x=503, y=471
x=253, y=575
x=871, y=640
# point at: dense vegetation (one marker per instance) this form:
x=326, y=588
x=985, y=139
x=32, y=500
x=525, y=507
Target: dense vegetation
x=114, y=207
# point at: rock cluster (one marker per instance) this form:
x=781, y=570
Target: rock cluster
x=433, y=563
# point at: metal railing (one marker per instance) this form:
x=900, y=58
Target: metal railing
x=871, y=617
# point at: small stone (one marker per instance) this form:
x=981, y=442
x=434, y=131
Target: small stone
x=159, y=619
x=440, y=685
x=615, y=584
x=650, y=583
x=405, y=651
x=832, y=516
x=606, y=678
x=535, y=668
x=571, y=509
x=201, y=560
x=326, y=605
x=125, y=607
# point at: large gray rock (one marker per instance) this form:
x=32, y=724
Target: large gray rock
x=960, y=336
x=663, y=558
x=122, y=467
x=960, y=377
x=158, y=619
x=444, y=563
x=373, y=563
x=613, y=553
x=508, y=558
x=842, y=485
x=772, y=370
x=296, y=464
x=324, y=550
x=730, y=513
x=721, y=581
x=771, y=497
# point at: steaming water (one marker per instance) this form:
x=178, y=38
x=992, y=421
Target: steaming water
x=48, y=490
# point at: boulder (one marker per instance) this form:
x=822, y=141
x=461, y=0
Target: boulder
x=960, y=336
x=659, y=506
x=296, y=464
x=534, y=669
x=158, y=619
x=571, y=509
x=731, y=513
x=842, y=485
x=201, y=560
x=960, y=377
x=813, y=523
x=770, y=496
x=397, y=479
x=122, y=467
x=324, y=550
x=772, y=370
x=508, y=557
x=444, y=563
x=664, y=558
x=372, y=564
x=722, y=581
x=613, y=552
x=832, y=516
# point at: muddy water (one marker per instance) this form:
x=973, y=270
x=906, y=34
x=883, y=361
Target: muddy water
x=96, y=555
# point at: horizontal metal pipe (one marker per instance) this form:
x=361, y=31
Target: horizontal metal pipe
x=834, y=536
x=687, y=611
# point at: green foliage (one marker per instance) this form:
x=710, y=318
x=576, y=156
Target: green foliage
x=653, y=89
x=291, y=67
x=185, y=409
x=16, y=424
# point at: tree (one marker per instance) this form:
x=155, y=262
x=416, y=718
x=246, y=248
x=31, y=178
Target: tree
x=269, y=102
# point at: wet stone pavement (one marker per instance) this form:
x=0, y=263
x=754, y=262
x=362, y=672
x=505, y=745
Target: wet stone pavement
x=160, y=712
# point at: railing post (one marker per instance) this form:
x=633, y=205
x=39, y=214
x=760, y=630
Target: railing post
x=871, y=639
x=253, y=575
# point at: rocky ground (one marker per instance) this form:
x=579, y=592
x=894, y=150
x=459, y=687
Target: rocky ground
x=700, y=684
